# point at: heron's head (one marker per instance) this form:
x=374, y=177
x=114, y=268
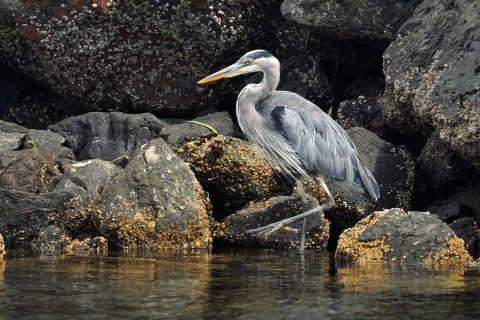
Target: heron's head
x=253, y=61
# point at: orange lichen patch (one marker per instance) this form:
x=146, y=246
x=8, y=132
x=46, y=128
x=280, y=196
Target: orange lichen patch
x=2, y=247
x=349, y=248
x=453, y=251
x=313, y=188
x=232, y=170
x=31, y=33
x=97, y=244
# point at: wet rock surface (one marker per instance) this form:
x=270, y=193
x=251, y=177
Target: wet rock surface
x=233, y=230
x=154, y=202
x=396, y=235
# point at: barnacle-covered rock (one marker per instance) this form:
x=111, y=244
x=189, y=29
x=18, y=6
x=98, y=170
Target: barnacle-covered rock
x=396, y=235
x=155, y=202
x=233, y=171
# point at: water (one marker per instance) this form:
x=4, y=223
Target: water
x=239, y=284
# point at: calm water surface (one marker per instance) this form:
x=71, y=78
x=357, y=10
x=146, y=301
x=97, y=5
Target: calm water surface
x=245, y=284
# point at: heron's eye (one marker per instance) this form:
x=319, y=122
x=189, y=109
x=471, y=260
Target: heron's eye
x=249, y=61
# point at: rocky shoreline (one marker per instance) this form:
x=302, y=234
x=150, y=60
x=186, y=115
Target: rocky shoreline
x=100, y=151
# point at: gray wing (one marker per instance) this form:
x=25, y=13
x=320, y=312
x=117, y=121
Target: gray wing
x=320, y=141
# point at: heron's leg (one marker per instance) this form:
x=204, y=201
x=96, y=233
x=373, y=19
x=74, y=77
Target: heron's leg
x=301, y=191
x=271, y=228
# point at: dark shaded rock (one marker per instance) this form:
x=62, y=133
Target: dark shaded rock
x=365, y=112
x=448, y=211
x=24, y=214
x=465, y=203
x=108, y=136
x=87, y=245
x=466, y=229
x=377, y=20
x=443, y=170
x=177, y=133
x=11, y=136
x=141, y=54
x=35, y=170
x=42, y=138
x=63, y=156
x=233, y=230
x=395, y=235
x=365, y=86
x=232, y=171
x=90, y=175
x=432, y=76
x=392, y=167
x=154, y=202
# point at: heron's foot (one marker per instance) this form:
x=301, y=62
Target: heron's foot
x=271, y=228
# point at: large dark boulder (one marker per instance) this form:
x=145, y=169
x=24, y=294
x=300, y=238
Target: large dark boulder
x=23, y=214
x=138, y=55
x=433, y=78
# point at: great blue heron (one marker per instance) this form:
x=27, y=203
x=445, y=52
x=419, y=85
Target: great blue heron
x=296, y=134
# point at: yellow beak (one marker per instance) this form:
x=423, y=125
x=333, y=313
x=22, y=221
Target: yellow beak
x=228, y=72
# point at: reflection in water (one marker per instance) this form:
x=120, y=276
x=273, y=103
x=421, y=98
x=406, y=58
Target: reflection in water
x=240, y=284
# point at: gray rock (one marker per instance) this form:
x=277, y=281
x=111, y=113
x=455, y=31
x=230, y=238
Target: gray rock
x=90, y=175
x=11, y=136
x=42, y=138
x=107, y=136
x=433, y=79
x=353, y=18
x=177, y=133
x=396, y=235
x=63, y=156
x=365, y=112
x=233, y=230
x=154, y=202
x=23, y=214
x=35, y=170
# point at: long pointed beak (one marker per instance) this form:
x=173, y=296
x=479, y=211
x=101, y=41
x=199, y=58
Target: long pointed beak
x=230, y=71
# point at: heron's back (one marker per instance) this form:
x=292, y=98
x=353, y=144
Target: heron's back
x=320, y=142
